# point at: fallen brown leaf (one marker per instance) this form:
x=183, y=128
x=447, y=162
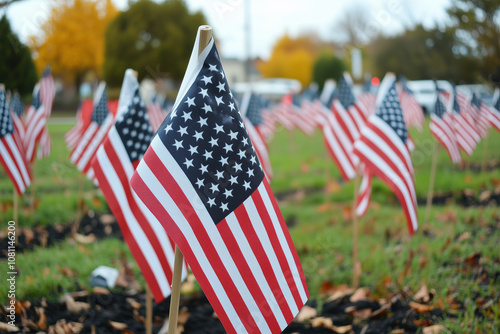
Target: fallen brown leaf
x=74, y=306
x=464, y=236
x=473, y=260
x=420, y=308
x=347, y=213
x=29, y=235
x=398, y=331
x=422, y=262
x=67, y=272
x=84, y=239
x=100, y=290
x=322, y=208
x=42, y=319
x=434, y=329
x=306, y=313
x=8, y=328
x=135, y=304
x=406, y=271
x=119, y=326
x=359, y=294
x=447, y=243
x=423, y=295
x=322, y=322
x=62, y=327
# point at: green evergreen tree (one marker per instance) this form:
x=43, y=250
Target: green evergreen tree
x=154, y=39
x=327, y=66
x=17, y=70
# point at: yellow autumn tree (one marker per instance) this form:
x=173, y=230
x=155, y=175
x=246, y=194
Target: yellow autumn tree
x=292, y=58
x=72, y=39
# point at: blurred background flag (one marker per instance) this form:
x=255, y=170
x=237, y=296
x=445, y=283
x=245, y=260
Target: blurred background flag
x=202, y=179
x=36, y=120
x=47, y=95
x=495, y=111
x=382, y=146
x=16, y=111
x=413, y=113
x=342, y=127
x=93, y=134
x=12, y=154
x=114, y=165
x=251, y=111
x=156, y=113
x=73, y=135
x=465, y=130
x=442, y=128
x=480, y=113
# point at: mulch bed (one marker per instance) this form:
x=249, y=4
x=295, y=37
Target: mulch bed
x=111, y=312
x=90, y=226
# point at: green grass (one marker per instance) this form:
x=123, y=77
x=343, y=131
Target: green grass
x=321, y=229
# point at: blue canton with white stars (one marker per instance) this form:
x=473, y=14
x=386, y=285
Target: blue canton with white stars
x=6, y=126
x=475, y=101
x=206, y=136
x=253, y=113
x=344, y=93
x=497, y=104
x=390, y=111
x=439, y=108
x=101, y=110
x=16, y=105
x=36, y=102
x=134, y=128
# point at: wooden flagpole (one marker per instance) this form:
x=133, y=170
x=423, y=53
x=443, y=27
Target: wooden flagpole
x=149, y=311
x=205, y=36
x=485, y=153
x=430, y=193
x=356, y=269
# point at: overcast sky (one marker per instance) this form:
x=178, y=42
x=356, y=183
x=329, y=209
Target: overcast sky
x=270, y=19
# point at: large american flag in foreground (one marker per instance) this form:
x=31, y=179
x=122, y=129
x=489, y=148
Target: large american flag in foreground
x=202, y=179
x=442, y=128
x=12, y=155
x=114, y=165
x=382, y=146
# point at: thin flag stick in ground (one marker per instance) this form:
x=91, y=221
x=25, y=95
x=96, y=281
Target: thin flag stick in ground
x=15, y=205
x=485, y=154
x=205, y=36
x=149, y=311
x=430, y=193
x=356, y=265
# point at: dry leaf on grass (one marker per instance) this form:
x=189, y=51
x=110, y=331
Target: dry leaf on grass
x=8, y=328
x=464, y=236
x=424, y=295
x=84, y=239
x=42, y=319
x=420, y=308
x=306, y=313
x=135, y=304
x=328, y=323
x=359, y=294
x=100, y=290
x=435, y=329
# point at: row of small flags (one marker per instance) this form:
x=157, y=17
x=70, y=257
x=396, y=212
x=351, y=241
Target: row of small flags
x=22, y=137
x=197, y=175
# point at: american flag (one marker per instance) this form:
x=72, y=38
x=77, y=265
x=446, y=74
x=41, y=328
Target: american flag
x=382, y=146
x=155, y=113
x=304, y=119
x=342, y=128
x=251, y=109
x=268, y=126
x=16, y=111
x=494, y=115
x=93, y=134
x=74, y=134
x=283, y=113
x=413, y=113
x=480, y=114
x=12, y=155
x=36, y=120
x=114, y=165
x=201, y=178
x=442, y=128
x=47, y=95
x=465, y=130
x=367, y=97
x=365, y=191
